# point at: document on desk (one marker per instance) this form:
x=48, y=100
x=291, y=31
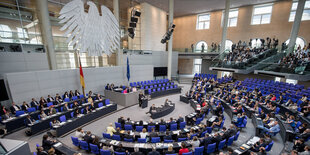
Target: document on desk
x=245, y=146
x=176, y=132
x=237, y=151
x=158, y=145
x=57, y=144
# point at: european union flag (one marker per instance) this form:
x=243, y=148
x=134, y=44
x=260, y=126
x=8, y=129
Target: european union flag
x=128, y=69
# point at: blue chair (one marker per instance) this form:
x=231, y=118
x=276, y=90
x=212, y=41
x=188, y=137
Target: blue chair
x=211, y=148
x=105, y=152
x=75, y=141
x=198, y=121
x=230, y=140
x=221, y=144
x=188, y=153
x=128, y=127
x=63, y=118
x=84, y=145
x=298, y=124
x=182, y=125
x=155, y=139
x=61, y=109
x=106, y=135
x=173, y=127
x=139, y=128
x=182, y=139
x=49, y=104
x=72, y=114
x=209, y=129
x=277, y=110
x=94, y=148
x=100, y=104
x=119, y=153
x=237, y=136
x=39, y=117
x=66, y=100
x=203, y=134
x=199, y=150
x=82, y=96
x=168, y=141
x=34, y=153
x=118, y=125
x=107, y=101
x=75, y=98
x=128, y=140
x=269, y=146
x=116, y=137
x=162, y=128
x=29, y=110
x=149, y=128
x=141, y=140
x=18, y=113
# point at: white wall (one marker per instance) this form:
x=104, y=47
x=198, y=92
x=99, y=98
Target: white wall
x=153, y=27
x=25, y=85
x=157, y=59
x=22, y=62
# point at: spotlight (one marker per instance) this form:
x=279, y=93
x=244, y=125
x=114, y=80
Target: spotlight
x=133, y=25
x=171, y=30
x=173, y=26
x=163, y=41
x=131, y=35
x=134, y=19
x=137, y=13
x=131, y=30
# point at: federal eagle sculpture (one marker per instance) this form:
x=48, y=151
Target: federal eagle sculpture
x=90, y=32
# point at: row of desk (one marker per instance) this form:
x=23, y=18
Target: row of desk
x=79, y=121
x=15, y=123
x=163, y=111
x=165, y=92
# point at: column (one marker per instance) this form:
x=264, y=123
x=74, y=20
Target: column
x=224, y=33
x=118, y=52
x=46, y=32
x=296, y=24
x=171, y=6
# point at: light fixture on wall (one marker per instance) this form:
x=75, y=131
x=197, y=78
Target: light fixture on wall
x=133, y=22
x=167, y=35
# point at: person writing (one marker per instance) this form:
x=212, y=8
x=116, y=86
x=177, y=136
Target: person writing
x=152, y=109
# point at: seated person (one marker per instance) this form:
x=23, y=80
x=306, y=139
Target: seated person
x=218, y=122
x=87, y=110
x=258, y=145
x=40, y=151
x=299, y=145
x=120, y=148
x=143, y=134
x=42, y=114
x=162, y=122
x=302, y=128
x=51, y=110
x=99, y=97
x=171, y=121
x=153, y=133
x=110, y=129
x=285, y=116
x=76, y=113
x=50, y=98
x=167, y=102
x=273, y=129
x=305, y=134
x=4, y=113
x=77, y=93
x=25, y=106
x=88, y=137
x=167, y=136
x=29, y=121
x=151, y=123
x=14, y=108
x=47, y=142
x=170, y=150
x=92, y=106
x=238, y=121
x=75, y=105
x=183, y=149
x=42, y=101
x=55, y=123
x=34, y=103
x=152, y=109
x=79, y=133
x=129, y=136
x=66, y=107
x=291, y=121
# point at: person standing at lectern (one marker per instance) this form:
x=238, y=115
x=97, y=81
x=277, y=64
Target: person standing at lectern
x=141, y=96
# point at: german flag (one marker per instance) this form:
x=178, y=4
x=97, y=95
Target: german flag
x=81, y=75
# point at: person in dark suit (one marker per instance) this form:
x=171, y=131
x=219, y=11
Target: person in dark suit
x=42, y=101
x=34, y=103
x=88, y=137
x=151, y=123
x=29, y=121
x=153, y=152
x=128, y=136
x=141, y=96
x=260, y=143
x=180, y=119
x=75, y=105
x=14, y=108
x=128, y=122
x=50, y=98
x=217, y=139
x=76, y=113
x=57, y=97
x=66, y=107
x=77, y=93
x=206, y=141
x=120, y=148
x=25, y=106
x=71, y=94
x=172, y=121
x=121, y=120
x=167, y=136
x=47, y=143
x=66, y=95
x=153, y=133
x=225, y=134
x=162, y=122
x=152, y=108
x=4, y=113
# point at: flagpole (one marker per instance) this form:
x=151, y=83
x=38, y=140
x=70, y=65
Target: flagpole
x=80, y=67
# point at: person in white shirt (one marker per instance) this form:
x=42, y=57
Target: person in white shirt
x=143, y=134
x=79, y=133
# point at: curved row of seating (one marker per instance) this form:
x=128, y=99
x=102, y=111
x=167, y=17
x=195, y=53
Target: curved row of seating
x=149, y=82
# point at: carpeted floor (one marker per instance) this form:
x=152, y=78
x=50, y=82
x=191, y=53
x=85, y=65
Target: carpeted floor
x=136, y=113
